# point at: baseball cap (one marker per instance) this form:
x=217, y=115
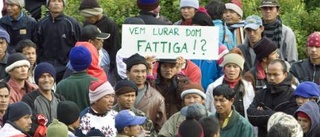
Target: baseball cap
x=173, y=61
x=93, y=32
x=269, y=3
x=128, y=118
x=253, y=22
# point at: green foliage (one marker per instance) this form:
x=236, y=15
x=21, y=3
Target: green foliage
x=302, y=16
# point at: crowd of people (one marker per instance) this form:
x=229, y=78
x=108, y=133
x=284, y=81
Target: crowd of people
x=62, y=79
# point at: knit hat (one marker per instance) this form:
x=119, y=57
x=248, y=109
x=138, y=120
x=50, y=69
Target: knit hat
x=57, y=129
x=127, y=118
x=264, y=48
x=17, y=110
x=99, y=89
x=80, y=58
x=93, y=32
x=4, y=35
x=237, y=2
x=93, y=132
x=303, y=115
x=233, y=58
x=202, y=18
x=189, y=3
x=253, y=22
x=64, y=3
x=288, y=121
x=68, y=112
x=307, y=89
x=20, y=3
x=134, y=60
x=16, y=60
x=194, y=111
x=44, y=67
x=235, y=8
x=314, y=39
x=193, y=88
x=269, y=3
x=89, y=8
x=190, y=128
x=125, y=86
x=148, y=5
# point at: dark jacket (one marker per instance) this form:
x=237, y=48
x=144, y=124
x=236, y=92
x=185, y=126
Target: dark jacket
x=150, y=18
x=310, y=108
x=274, y=98
x=23, y=28
x=304, y=70
x=171, y=91
x=152, y=104
x=113, y=43
x=56, y=38
x=35, y=102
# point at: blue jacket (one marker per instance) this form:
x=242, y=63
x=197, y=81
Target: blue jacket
x=225, y=35
x=24, y=27
x=310, y=108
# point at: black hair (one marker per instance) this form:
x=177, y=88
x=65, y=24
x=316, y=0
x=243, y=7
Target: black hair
x=3, y=84
x=210, y=126
x=215, y=9
x=282, y=62
x=25, y=43
x=225, y=91
x=278, y=130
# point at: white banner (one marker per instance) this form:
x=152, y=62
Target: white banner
x=164, y=41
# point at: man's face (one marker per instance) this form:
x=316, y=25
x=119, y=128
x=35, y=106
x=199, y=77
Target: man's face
x=192, y=98
x=269, y=14
x=3, y=47
x=24, y=123
x=232, y=71
x=134, y=130
x=46, y=82
x=231, y=17
x=4, y=99
x=30, y=54
x=313, y=52
x=138, y=74
x=126, y=101
x=254, y=35
x=301, y=100
x=275, y=74
x=105, y=103
x=273, y=56
x=19, y=73
x=56, y=6
x=305, y=124
x=92, y=19
x=222, y=104
x=98, y=43
x=12, y=9
x=187, y=12
x=168, y=70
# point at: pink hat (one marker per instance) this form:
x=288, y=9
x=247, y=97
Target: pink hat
x=314, y=39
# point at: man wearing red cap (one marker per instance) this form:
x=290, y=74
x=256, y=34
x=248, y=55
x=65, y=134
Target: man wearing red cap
x=309, y=69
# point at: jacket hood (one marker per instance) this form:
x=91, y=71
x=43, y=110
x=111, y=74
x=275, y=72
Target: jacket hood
x=94, y=69
x=310, y=108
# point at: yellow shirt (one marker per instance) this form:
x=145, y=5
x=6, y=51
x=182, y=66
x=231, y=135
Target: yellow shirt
x=226, y=121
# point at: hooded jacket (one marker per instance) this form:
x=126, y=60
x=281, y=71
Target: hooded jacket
x=94, y=69
x=312, y=110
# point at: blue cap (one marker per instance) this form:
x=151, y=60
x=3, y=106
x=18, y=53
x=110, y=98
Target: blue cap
x=307, y=89
x=253, y=22
x=128, y=118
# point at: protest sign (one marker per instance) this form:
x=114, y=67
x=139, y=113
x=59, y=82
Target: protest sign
x=164, y=41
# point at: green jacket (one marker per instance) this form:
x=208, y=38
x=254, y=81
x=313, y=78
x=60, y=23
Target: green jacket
x=171, y=126
x=237, y=126
x=148, y=125
x=76, y=88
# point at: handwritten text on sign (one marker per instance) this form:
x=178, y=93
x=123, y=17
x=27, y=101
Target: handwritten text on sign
x=191, y=42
